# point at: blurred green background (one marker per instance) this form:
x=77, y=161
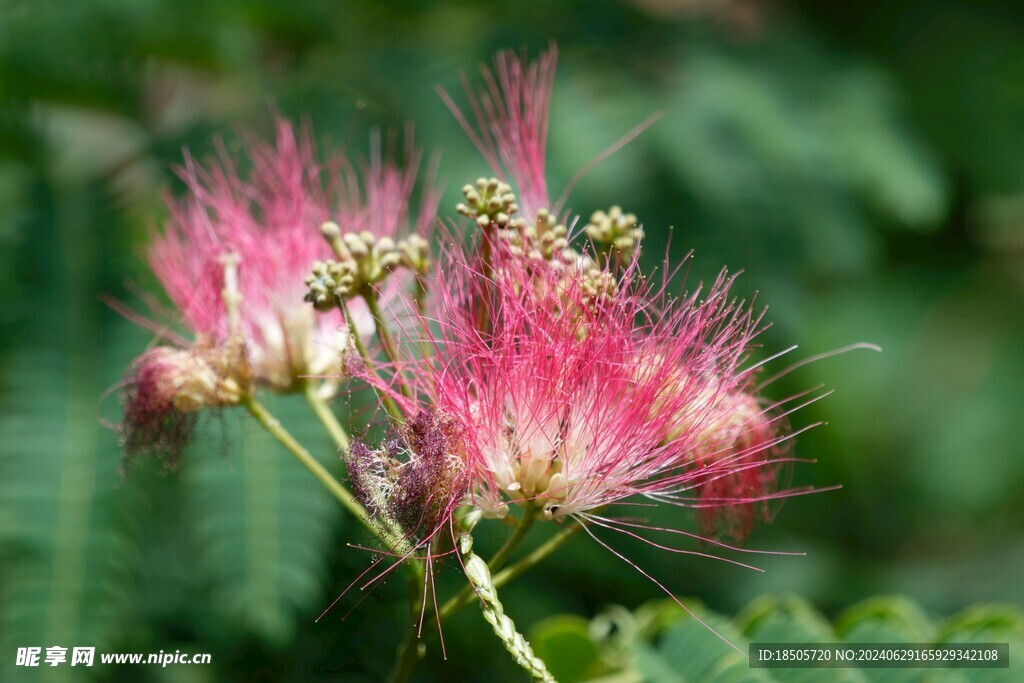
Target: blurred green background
x=862, y=162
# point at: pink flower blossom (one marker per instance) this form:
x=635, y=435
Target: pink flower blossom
x=575, y=400
x=574, y=403
x=233, y=259
x=269, y=222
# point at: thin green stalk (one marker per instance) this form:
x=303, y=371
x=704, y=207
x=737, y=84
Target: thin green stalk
x=420, y=294
x=536, y=557
x=389, y=404
x=464, y=596
x=386, y=341
x=277, y=430
x=513, y=541
x=457, y=602
x=325, y=415
x=494, y=613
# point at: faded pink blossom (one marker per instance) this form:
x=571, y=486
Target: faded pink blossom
x=415, y=478
x=166, y=389
x=748, y=434
x=233, y=258
x=269, y=222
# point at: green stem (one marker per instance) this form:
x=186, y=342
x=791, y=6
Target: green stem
x=386, y=341
x=389, y=404
x=457, y=602
x=463, y=597
x=506, y=550
x=494, y=613
x=348, y=501
x=485, y=255
x=536, y=557
x=325, y=415
x=420, y=293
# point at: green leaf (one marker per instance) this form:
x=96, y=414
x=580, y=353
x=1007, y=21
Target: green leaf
x=892, y=619
x=884, y=619
x=564, y=643
x=792, y=619
x=987, y=624
x=665, y=643
x=694, y=652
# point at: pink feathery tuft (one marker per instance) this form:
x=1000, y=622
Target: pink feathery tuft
x=573, y=401
x=268, y=221
x=511, y=113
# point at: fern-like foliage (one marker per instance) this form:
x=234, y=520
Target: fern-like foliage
x=65, y=532
x=660, y=642
x=264, y=527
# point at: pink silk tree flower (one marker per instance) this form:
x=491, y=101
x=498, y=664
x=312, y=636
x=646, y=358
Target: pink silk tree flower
x=573, y=402
x=270, y=223
x=697, y=434
x=267, y=222
x=233, y=258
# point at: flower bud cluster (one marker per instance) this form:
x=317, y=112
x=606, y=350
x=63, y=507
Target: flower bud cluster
x=545, y=239
x=365, y=260
x=619, y=231
x=489, y=202
x=597, y=286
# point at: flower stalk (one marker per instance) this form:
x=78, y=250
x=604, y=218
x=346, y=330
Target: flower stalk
x=522, y=529
x=274, y=427
x=390, y=349
x=494, y=613
x=323, y=413
x=457, y=602
x=386, y=401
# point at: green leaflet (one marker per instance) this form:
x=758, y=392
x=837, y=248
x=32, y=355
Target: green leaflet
x=790, y=619
x=661, y=642
x=565, y=640
x=66, y=538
